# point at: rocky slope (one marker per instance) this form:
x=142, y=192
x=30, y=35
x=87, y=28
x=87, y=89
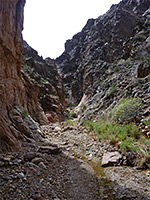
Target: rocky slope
x=18, y=95
x=109, y=60
x=44, y=73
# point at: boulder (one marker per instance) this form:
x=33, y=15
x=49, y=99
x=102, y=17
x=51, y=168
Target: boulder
x=49, y=150
x=111, y=159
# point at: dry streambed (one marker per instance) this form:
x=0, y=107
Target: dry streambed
x=66, y=165
x=112, y=182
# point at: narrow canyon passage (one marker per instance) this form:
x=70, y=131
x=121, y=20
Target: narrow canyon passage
x=102, y=79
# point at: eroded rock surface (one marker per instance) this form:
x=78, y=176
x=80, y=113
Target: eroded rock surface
x=109, y=59
x=16, y=91
x=51, y=90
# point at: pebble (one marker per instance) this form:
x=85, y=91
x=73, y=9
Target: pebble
x=56, y=129
x=7, y=159
x=148, y=134
x=20, y=175
x=29, y=156
x=37, y=160
x=42, y=165
x=1, y=164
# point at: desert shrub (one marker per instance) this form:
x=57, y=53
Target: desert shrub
x=127, y=62
x=116, y=69
x=72, y=114
x=113, y=89
x=127, y=110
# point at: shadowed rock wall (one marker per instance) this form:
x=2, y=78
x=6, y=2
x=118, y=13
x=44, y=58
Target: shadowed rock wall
x=15, y=96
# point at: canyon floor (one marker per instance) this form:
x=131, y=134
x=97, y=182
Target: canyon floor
x=66, y=165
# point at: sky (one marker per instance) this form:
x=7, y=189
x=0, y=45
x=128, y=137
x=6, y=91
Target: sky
x=49, y=23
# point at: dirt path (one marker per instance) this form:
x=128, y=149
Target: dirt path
x=72, y=174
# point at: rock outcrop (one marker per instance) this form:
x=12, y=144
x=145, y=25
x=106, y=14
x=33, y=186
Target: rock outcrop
x=45, y=74
x=109, y=59
x=18, y=95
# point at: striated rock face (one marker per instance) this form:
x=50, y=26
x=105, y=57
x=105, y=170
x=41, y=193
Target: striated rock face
x=105, y=61
x=17, y=99
x=44, y=73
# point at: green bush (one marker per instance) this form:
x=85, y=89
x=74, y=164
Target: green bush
x=127, y=110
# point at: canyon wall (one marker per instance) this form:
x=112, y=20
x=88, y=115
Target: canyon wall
x=108, y=60
x=44, y=73
x=18, y=95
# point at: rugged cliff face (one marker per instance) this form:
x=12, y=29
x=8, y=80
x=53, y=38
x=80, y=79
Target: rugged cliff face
x=44, y=73
x=18, y=96
x=109, y=59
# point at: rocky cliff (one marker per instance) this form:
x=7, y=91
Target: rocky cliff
x=109, y=59
x=105, y=62
x=18, y=95
x=51, y=90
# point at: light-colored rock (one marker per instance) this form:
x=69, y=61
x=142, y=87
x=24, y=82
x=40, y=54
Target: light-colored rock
x=37, y=160
x=42, y=165
x=111, y=159
x=57, y=129
x=148, y=134
x=20, y=175
x=7, y=159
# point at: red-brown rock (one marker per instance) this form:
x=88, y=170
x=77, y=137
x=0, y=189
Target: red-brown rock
x=15, y=91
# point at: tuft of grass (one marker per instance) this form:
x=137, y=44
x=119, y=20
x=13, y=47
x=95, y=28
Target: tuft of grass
x=72, y=114
x=108, y=129
x=70, y=122
x=126, y=136
x=113, y=89
x=129, y=145
x=24, y=114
